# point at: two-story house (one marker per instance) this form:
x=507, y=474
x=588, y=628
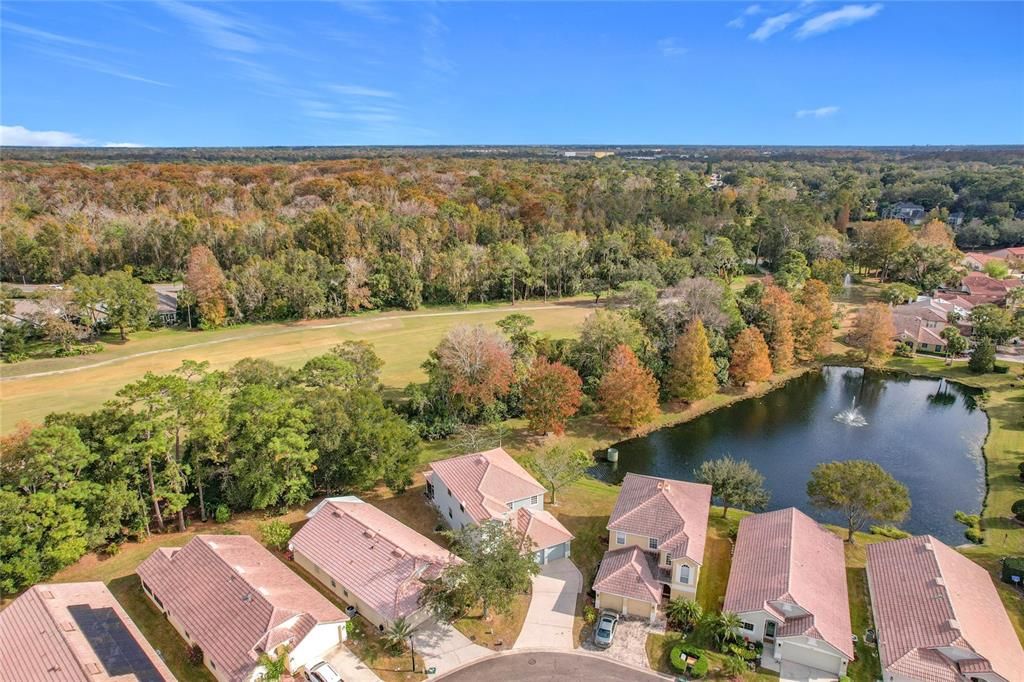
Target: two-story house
x=788, y=586
x=656, y=537
x=491, y=486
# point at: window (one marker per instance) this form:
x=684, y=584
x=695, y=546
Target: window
x=461, y=508
x=509, y=505
x=158, y=602
x=748, y=626
x=430, y=490
x=333, y=584
x=684, y=574
x=620, y=538
x=449, y=493
x=344, y=592
x=652, y=543
x=533, y=500
x=212, y=664
x=450, y=513
x=668, y=558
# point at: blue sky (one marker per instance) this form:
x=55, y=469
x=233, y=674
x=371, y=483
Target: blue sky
x=354, y=72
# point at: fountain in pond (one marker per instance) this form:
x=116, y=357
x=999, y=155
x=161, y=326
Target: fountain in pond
x=852, y=416
x=847, y=281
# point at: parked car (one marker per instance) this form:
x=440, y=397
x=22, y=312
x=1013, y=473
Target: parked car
x=605, y=630
x=323, y=672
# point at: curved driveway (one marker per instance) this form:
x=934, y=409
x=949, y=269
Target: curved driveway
x=545, y=666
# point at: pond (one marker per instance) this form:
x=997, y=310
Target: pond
x=928, y=433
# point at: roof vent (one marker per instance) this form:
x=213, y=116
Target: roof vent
x=67, y=626
x=336, y=514
x=928, y=546
x=953, y=624
x=369, y=534
x=247, y=597
x=93, y=668
x=46, y=594
x=398, y=553
x=937, y=580
x=479, y=459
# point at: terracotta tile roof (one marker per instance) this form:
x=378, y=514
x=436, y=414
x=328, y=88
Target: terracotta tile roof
x=926, y=595
x=235, y=599
x=784, y=557
x=674, y=512
x=976, y=283
x=374, y=556
x=913, y=327
x=45, y=636
x=629, y=572
x=485, y=482
x=541, y=528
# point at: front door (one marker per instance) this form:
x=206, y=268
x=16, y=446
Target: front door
x=666, y=592
x=769, y=631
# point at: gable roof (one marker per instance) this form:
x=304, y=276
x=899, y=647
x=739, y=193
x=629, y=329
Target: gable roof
x=486, y=482
x=48, y=634
x=674, y=512
x=629, y=572
x=925, y=595
x=376, y=557
x=785, y=556
x=540, y=528
x=235, y=599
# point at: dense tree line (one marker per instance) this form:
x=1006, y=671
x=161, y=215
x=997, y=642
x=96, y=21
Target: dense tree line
x=258, y=436
x=255, y=242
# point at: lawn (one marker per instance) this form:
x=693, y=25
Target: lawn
x=402, y=339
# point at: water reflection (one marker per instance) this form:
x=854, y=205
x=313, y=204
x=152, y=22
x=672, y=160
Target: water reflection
x=927, y=433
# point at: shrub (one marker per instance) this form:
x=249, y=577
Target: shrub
x=974, y=535
x=195, y=655
x=889, y=532
x=677, y=658
x=700, y=668
x=734, y=666
x=1001, y=369
x=742, y=652
x=969, y=520
x=222, y=514
x=1020, y=468
x=111, y=549
x=1018, y=507
x=275, y=534
x=589, y=614
x=903, y=350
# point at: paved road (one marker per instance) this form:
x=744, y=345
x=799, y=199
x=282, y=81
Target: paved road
x=548, y=667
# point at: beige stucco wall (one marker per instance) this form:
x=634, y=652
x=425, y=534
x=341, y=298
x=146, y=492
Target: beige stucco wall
x=686, y=591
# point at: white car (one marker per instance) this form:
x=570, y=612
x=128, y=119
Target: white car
x=323, y=672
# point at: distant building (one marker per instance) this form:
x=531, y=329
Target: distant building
x=910, y=213
x=955, y=219
x=1014, y=256
x=74, y=632
x=977, y=260
x=584, y=154
x=920, y=324
x=167, y=302
x=714, y=181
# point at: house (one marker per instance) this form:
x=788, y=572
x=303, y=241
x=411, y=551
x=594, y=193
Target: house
x=906, y=211
x=975, y=261
x=372, y=561
x=167, y=302
x=490, y=485
x=980, y=288
x=656, y=537
x=232, y=598
x=938, y=616
x=1014, y=256
x=955, y=219
x=788, y=585
x=74, y=632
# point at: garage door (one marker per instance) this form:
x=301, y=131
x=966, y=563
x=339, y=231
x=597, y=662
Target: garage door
x=811, y=657
x=556, y=552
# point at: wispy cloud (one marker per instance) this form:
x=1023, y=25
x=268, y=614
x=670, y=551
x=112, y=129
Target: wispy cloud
x=123, y=145
x=361, y=91
x=433, y=48
x=773, y=25
x=96, y=65
x=820, y=112
x=669, y=48
x=844, y=16
x=20, y=136
x=367, y=9
x=219, y=30
x=48, y=37
x=750, y=11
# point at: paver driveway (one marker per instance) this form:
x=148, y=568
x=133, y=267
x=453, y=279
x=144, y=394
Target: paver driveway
x=445, y=648
x=552, y=609
x=629, y=646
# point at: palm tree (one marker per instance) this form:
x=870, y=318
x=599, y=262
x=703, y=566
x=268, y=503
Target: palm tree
x=723, y=628
x=398, y=633
x=734, y=667
x=274, y=668
x=684, y=613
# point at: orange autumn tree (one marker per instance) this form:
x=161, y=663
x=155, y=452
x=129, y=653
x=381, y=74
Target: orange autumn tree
x=874, y=333
x=691, y=374
x=552, y=393
x=478, y=364
x=628, y=393
x=750, y=361
x=812, y=321
x=206, y=281
x=777, y=326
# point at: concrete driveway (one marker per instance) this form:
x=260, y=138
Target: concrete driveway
x=348, y=665
x=795, y=672
x=552, y=609
x=445, y=648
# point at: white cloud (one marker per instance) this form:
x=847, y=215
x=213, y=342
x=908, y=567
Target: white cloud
x=123, y=145
x=20, y=136
x=218, y=29
x=773, y=25
x=820, y=112
x=741, y=19
x=668, y=48
x=47, y=37
x=361, y=91
x=844, y=16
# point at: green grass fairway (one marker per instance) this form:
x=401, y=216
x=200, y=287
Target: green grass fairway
x=32, y=389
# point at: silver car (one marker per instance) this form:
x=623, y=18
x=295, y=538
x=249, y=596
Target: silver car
x=605, y=630
x=323, y=672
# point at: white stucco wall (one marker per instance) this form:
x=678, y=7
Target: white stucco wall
x=321, y=639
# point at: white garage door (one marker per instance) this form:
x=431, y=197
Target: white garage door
x=811, y=657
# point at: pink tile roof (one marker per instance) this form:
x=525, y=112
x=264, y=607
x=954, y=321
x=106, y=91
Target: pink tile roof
x=485, y=482
x=629, y=572
x=41, y=640
x=925, y=594
x=541, y=528
x=374, y=556
x=785, y=556
x=674, y=512
x=235, y=599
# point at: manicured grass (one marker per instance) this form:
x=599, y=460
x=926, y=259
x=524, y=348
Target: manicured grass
x=402, y=339
x=500, y=630
x=866, y=667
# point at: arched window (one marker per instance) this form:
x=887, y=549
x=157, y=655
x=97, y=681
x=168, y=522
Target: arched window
x=684, y=574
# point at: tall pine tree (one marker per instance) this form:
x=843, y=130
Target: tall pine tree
x=628, y=392
x=750, y=361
